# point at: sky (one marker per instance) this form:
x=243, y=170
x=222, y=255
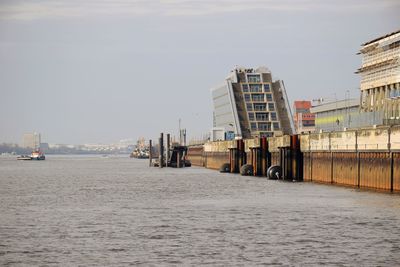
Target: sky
x=97, y=71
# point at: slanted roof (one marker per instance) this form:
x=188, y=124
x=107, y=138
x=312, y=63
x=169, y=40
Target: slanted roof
x=379, y=38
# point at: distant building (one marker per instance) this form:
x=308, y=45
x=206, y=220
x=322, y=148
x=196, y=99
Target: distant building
x=44, y=147
x=249, y=103
x=380, y=77
x=337, y=115
x=218, y=134
x=304, y=120
x=31, y=140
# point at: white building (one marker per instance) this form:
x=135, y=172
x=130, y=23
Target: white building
x=380, y=75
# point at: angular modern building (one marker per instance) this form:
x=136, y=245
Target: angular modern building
x=249, y=104
x=380, y=77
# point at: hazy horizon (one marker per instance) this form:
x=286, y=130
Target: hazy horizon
x=100, y=71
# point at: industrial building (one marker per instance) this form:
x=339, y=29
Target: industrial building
x=338, y=115
x=249, y=104
x=380, y=77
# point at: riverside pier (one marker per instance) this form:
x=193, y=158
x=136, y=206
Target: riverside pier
x=362, y=158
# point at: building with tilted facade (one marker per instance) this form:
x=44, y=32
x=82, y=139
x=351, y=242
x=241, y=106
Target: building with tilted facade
x=250, y=104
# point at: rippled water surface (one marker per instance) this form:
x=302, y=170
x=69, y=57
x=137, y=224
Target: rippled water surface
x=69, y=211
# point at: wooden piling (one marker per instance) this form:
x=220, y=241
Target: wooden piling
x=178, y=159
x=168, y=148
x=265, y=162
x=150, y=153
x=161, y=148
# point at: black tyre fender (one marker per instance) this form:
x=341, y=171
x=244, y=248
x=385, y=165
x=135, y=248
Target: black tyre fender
x=246, y=170
x=274, y=172
x=226, y=167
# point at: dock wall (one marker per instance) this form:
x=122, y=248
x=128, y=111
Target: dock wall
x=363, y=158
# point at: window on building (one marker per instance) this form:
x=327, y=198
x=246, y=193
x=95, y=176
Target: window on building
x=267, y=88
x=260, y=107
x=271, y=106
x=245, y=87
x=247, y=97
x=264, y=126
x=276, y=126
x=253, y=126
x=273, y=116
x=251, y=116
x=262, y=116
x=255, y=88
x=253, y=78
x=257, y=97
x=269, y=97
x=249, y=106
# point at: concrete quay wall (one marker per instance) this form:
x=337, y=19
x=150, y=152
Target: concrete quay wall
x=362, y=158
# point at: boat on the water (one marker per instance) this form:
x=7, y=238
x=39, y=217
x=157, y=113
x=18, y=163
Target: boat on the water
x=35, y=155
x=140, y=154
x=38, y=155
x=24, y=157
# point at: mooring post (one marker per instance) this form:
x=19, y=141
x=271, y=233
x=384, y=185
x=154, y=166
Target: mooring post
x=150, y=153
x=178, y=158
x=264, y=156
x=168, y=149
x=297, y=162
x=161, y=149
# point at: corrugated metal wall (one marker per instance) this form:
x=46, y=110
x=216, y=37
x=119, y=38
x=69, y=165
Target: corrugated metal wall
x=396, y=171
x=321, y=167
x=375, y=170
x=195, y=154
x=307, y=166
x=345, y=168
x=214, y=160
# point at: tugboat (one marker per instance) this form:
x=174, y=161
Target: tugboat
x=141, y=151
x=37, y=155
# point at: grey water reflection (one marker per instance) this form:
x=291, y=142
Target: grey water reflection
x=116, y=211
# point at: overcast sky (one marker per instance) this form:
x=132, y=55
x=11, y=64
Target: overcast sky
x=89, y=71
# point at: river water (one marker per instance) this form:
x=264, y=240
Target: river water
x=116, y=211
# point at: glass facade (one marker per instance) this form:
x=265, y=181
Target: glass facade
x=259, y=102
x=254, y=78
x=255, y=88
x=260, y=106
x=271, y=106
